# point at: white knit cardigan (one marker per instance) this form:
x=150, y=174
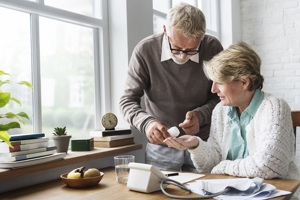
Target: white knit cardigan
x=270, y=139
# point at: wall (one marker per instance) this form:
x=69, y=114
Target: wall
x=272, y=27
x=130, y=21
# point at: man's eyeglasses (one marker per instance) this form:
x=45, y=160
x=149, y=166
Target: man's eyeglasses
x=179, y=51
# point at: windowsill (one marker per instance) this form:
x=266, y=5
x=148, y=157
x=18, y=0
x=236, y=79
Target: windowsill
x=73, y=157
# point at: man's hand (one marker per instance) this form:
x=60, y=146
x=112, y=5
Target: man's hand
x=191, y=123
x=157, y=132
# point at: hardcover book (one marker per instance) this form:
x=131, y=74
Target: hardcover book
x=111, y=138
x=4, y=148
x=114, y=143
x=32, y=161
x=26, y=156
x=104, y=133
x=29, y=141
x=24, y=152
x=26, y=136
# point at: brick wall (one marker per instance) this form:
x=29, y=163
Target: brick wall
x=272, y=28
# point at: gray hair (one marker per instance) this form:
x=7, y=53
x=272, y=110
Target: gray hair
x=237, y=62
x=187, y=19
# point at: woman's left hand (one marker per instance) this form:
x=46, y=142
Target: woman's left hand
x=182, y=143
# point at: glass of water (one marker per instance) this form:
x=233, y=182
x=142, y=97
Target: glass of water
x=121, y=167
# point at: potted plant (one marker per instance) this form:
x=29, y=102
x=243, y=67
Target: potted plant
x=61, y=139
x=14, y=118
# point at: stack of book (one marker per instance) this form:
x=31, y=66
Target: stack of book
x=27, y=149
x=112, y=138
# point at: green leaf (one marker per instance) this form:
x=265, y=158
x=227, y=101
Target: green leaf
x=19, y=116
x=3, y=72
x=10, y=115
x=10, y=125
x=23, y=114
x=4, y=98
x=25, y=83
x=5, y=137
x=4, y=82
x=16, y=100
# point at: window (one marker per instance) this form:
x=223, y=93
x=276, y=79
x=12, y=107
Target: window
x=210, y=8
x=55, y=45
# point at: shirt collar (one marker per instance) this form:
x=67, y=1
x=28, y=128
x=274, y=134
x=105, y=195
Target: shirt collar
x=253, y=106
x=165, y=52
x=255, y=102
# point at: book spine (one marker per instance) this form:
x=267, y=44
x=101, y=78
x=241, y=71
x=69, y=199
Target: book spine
x=115, y=132
x=33, y=161
x=28, y=146
x=105, y=133
x=29, y=151
x=30, y=141
x=111, y=138
x=28, y=156
x=26, y=136
x=114, y=143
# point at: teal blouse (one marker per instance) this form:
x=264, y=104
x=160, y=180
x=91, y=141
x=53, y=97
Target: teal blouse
x=238, y=142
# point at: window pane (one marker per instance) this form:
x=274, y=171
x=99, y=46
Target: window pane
x=158, y=23
x=67, y=76
x=192, y=2
x=162, y=6
x=15, y=59
x=208, y=7
x=89, y=8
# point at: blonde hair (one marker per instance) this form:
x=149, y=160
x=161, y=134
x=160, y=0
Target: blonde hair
x=238, y=62
x=187, y=19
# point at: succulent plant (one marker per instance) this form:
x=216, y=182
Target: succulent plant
x=60, y=131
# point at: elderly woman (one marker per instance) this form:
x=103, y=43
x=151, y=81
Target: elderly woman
x=251, y=133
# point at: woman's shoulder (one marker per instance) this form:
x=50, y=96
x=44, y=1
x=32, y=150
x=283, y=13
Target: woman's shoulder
x=273, y=101
x=273, y=108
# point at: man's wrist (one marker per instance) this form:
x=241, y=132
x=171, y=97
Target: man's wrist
x=149, y=125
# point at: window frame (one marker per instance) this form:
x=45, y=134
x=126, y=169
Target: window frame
x=207, y=5
x=101, y=57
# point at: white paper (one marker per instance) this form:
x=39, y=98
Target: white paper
x=267, y=191
x=184, y=177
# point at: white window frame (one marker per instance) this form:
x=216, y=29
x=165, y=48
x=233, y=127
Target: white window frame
x=101, y=57
x=208, y=7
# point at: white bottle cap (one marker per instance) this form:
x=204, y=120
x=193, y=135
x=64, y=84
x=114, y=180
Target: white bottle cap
x=174, y=132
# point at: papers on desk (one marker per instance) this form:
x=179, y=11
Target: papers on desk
x=265, y=191
x=184, y=177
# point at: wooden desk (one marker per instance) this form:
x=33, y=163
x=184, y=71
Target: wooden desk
x=108, y=189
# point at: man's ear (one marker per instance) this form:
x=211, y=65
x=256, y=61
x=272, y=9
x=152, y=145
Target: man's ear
x=165, y=30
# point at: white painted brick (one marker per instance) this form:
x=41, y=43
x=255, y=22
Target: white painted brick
x=272, y=28
x=295, y=66
x=267, y=73
x=292, y=79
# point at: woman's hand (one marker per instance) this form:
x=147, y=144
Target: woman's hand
x=182, y=143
